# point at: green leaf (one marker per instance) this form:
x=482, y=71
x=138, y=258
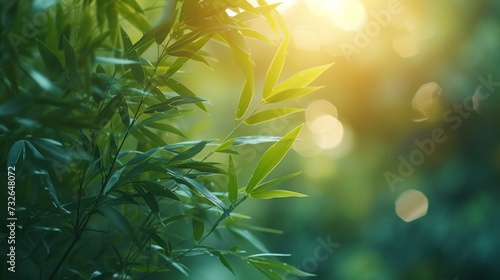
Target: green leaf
x=271, y=158
x=200, y=189
x=50, y=60
x=172, y=103
x=69, y=54
x=113, y=180
x=191, y=152
x=201, y=166
x=275, y=68
x=270, y=114
x=127, y=44
x=160, y=242
x=130, y=14
x=222, y=259
x=246, y=140
x=108, y=111
x=119, y=221
x=46, y=181
x=273, y=265
x=301, y=79
x=232, y=183
x=150, y=200
x=157, y=189
x=15, y=152
x=124, y=115
x=275, y=194
x=242, y=55
x=275, y=182
x=290, y=94
x=137, y=69
x=166, y=127
x=198, y=226
x=181, y=90
x=249, y=237
x=114, y=60
x=166, y=24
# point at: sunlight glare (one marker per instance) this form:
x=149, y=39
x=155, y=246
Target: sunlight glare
x=349, y=15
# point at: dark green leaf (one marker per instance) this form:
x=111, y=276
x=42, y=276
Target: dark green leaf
x=119, y=221
x=222, y=259
x=124, y=115
x=111, y=184
x=157, y=189
x=198, y=226
x=182, y=90
x=191, y=152
x=232, y=183
x=15, y=152
x=172, y=103
x=108, y=111
x=69, y=54
x=50, y=60
x=201, y=190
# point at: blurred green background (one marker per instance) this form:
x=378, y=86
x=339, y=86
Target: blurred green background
x=424, y=61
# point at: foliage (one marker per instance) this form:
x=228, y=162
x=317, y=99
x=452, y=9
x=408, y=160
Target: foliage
x=107, y=185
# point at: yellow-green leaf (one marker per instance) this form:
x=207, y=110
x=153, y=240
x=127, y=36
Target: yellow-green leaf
x=275, y=194
x=270, y=114
x=271, y=158
x=275, y=68
x=301, y=79
x=290, y=94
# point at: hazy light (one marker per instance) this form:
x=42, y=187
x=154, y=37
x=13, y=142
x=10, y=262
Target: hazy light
x=411, y=205
x=305, y=39
x=427, y=101
x=318, y=108
x=284, y=4
x=349, y=15
x=406, y=46
x=329, y=131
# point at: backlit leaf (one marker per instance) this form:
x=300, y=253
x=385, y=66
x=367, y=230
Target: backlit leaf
x=271, y=158
x=275, y=68
x=270, y=114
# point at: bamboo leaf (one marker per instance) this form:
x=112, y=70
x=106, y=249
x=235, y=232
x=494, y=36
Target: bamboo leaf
x=198, y=226
x=275, y=68
x=108, y=111
x=222, y=259
x=191, y=152
x=119, y=221
x=110, y=185
x=275, y=182
x=50, y=60
x=232, y=183
x=270, y=114
x=301, y=79
x=157, y=189
x=271, y=158
x=290, y=94
x=275, y=194
x=200, y=189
